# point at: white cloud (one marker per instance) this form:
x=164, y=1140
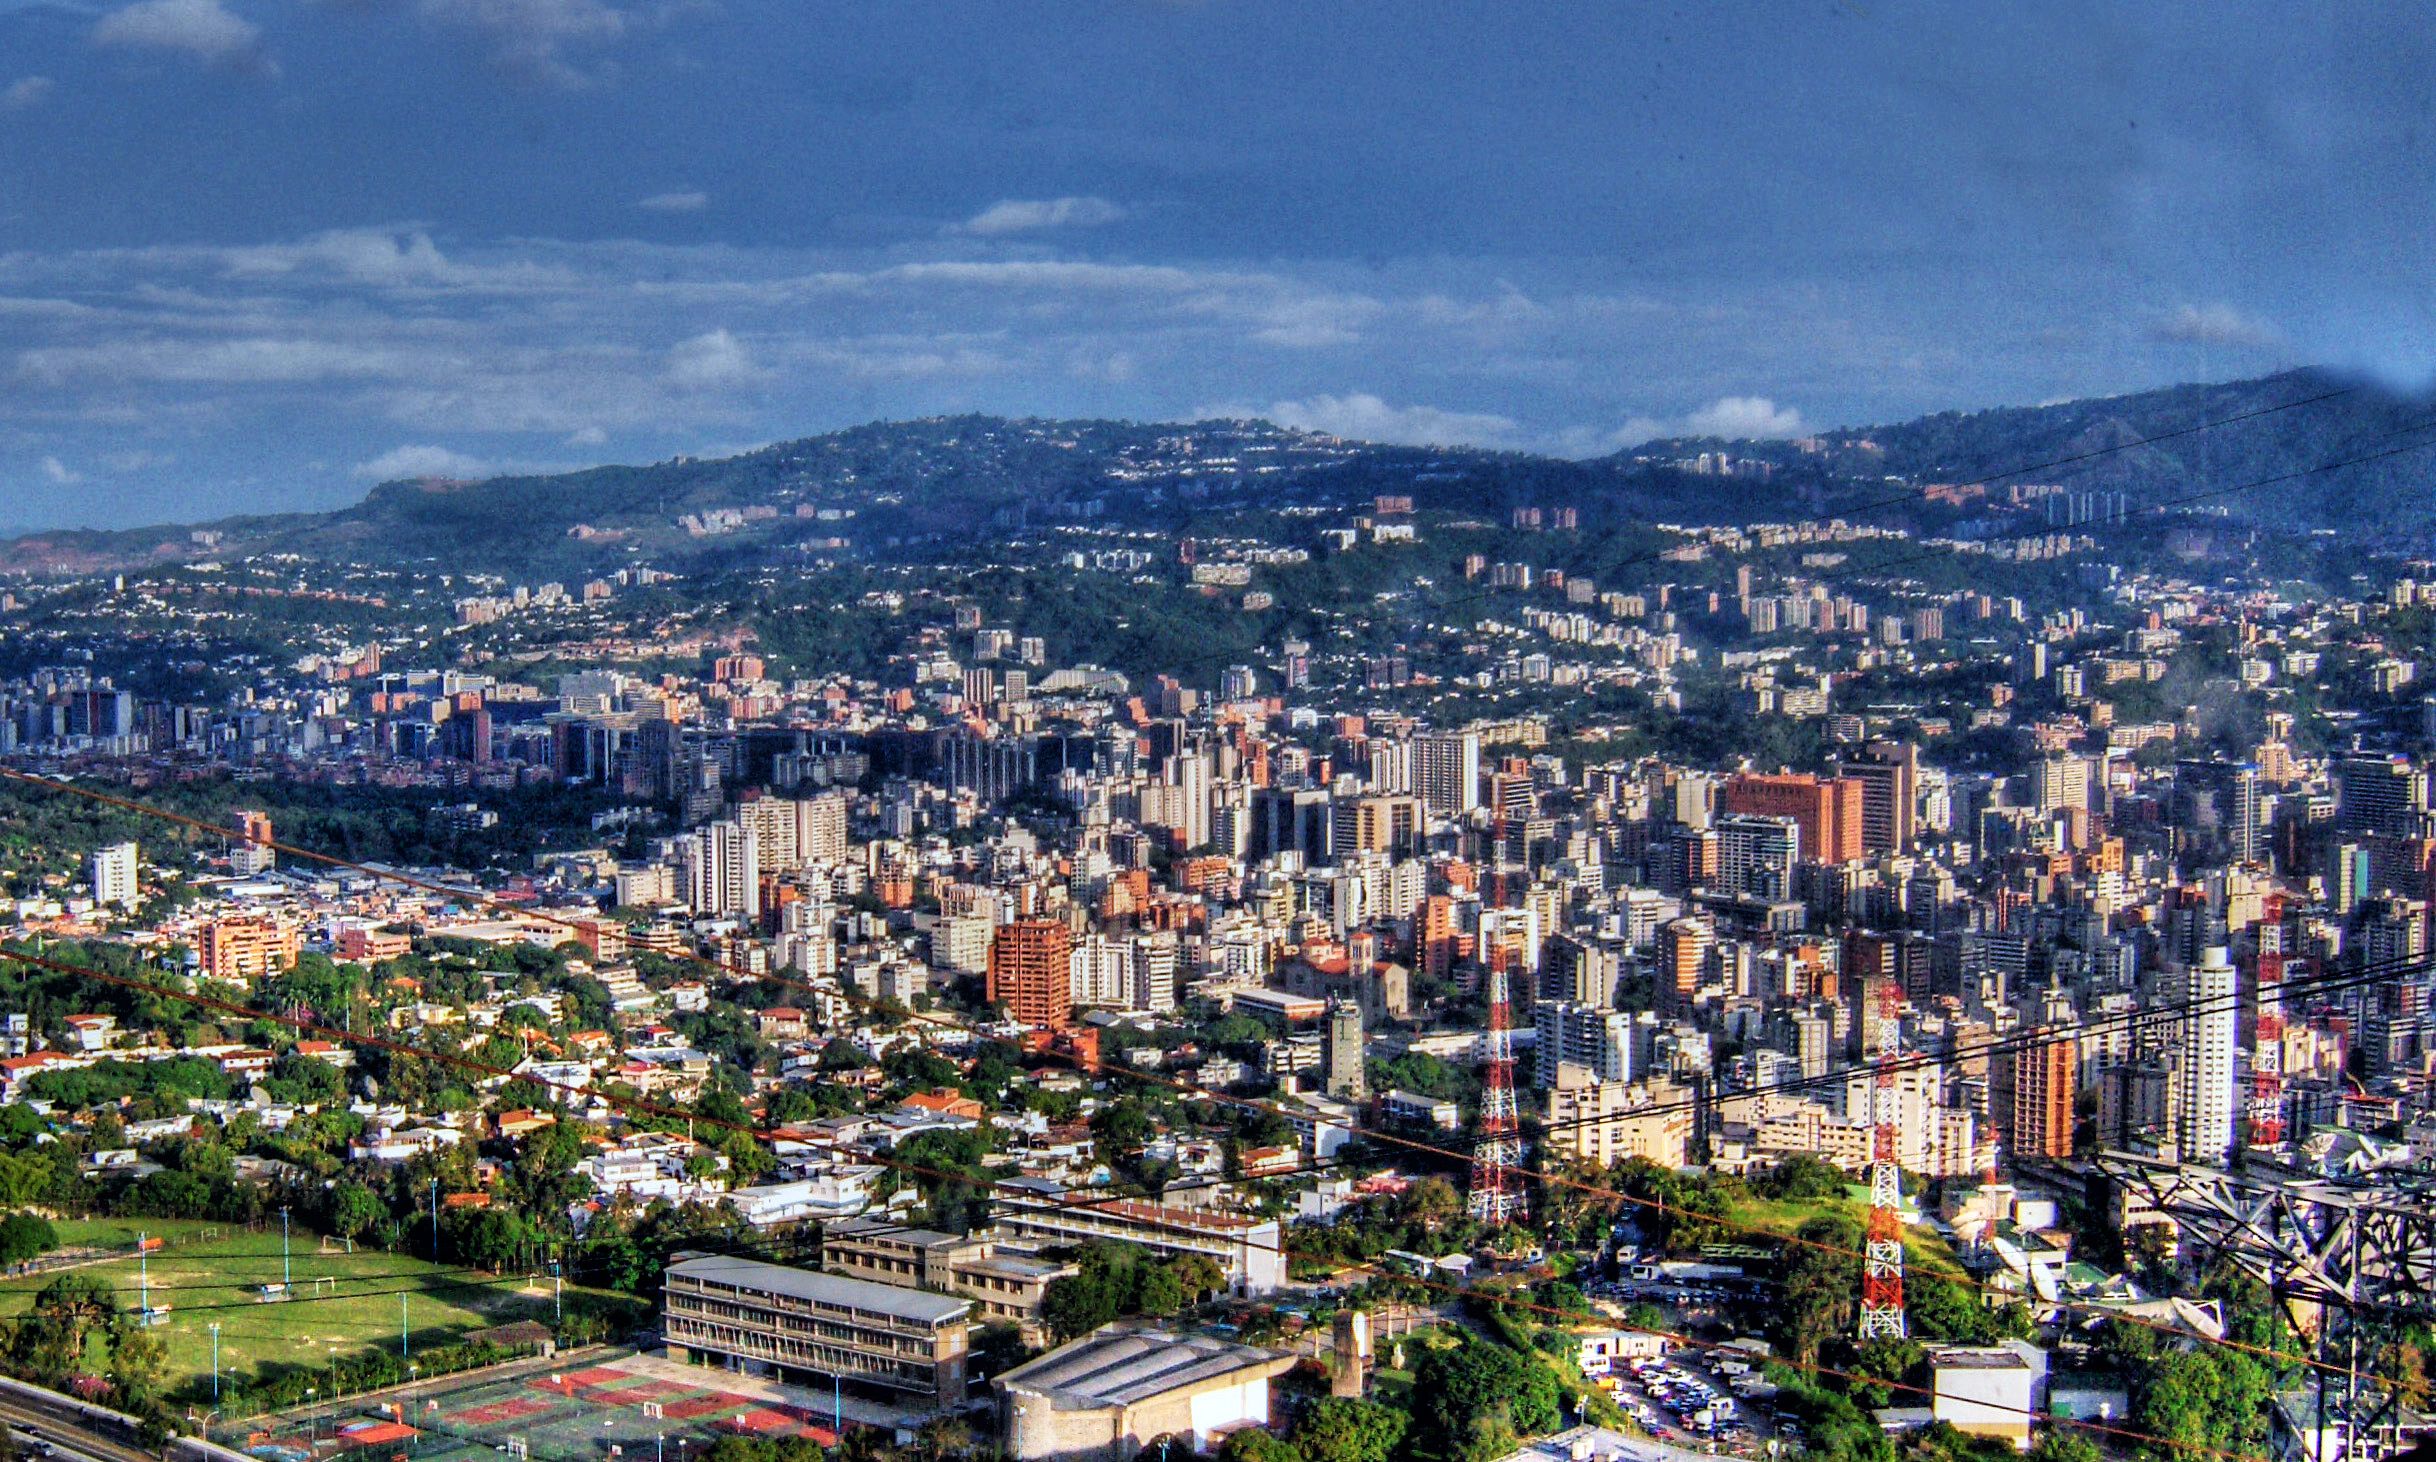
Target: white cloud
x=2216, y=324
x=1741, y=418
x=1365, y=417
x=1035, y=215
x=422, y=461
x=532, y=37
x=716, y=358
x=60, y=473
x=203, y=29
x=587, y=436
x=685, y=202
x=27, y=92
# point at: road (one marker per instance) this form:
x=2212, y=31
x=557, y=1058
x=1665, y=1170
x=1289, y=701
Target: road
x=74, y=1440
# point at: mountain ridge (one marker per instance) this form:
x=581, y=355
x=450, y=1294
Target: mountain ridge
x=903, y=483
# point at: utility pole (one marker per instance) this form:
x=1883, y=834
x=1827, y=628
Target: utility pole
x=143, y=1276
x=285, y=1277
x=215, y=1362
x=405, y=1346
x=558, y=1292
x=435, y=1218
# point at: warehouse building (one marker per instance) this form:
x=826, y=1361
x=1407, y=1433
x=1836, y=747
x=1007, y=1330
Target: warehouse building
x=1112, y=1393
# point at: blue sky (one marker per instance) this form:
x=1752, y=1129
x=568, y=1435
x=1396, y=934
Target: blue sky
x=256, y=254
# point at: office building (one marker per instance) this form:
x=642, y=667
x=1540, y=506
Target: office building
x=2207, y=1020
x=1828, y=811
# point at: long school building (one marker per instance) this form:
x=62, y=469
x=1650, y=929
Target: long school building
x=799, y=1326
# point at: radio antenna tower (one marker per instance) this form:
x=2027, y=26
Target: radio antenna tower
x=1882, y=1262
x=1497, y=1196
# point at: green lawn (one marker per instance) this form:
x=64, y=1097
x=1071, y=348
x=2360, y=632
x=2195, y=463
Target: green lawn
x=205, y=1278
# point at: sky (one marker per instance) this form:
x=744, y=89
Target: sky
x=256, y=255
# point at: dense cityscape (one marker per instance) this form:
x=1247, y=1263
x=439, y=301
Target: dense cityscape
x=1859, y=986
x=1217, y=731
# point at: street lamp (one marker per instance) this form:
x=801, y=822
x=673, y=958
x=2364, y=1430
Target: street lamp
x=215, y=1362
x=312, y=1417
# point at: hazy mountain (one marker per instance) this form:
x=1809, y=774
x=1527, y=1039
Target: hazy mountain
x=891, y=487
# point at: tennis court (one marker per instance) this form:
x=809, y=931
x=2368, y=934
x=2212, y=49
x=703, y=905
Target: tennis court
x=629, y=1406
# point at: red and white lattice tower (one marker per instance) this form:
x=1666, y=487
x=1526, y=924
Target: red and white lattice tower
x=1882, y=1261
x=1497, y=1191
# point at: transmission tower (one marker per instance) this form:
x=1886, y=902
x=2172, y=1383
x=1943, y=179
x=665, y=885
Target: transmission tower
x=1497, y=1195
x=1882, y=1262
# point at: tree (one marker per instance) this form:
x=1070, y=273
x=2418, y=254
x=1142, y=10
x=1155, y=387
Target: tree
x=1159, y=1293
x=1349, y=1429
x=23, y=1236
x=1453, y=1388
x=138, y=1359
x=1820, y=1279
x=66, y=1314
x=354, y=1209
x=1077, y=1305
x=1255, y=1445
x=2064, y=1444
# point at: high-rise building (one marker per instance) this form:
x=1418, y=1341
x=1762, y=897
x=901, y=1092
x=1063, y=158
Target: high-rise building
x=2207, y=1022
x=2216, y=810
x=2030, y=1093
x=719, y=870
x=1597, y=1040
x=1346, y=1078
x=250, y=854
x=1030, y=972
x=2380, y=794
x=1756, y=854
x=1889, y=774
x=1683, y=959
x=1154, y=972
x=1828, y=810
x=1446, y=772
x=111, y=875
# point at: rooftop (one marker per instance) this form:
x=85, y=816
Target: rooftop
x=827, y=1289
x=1118, y=1365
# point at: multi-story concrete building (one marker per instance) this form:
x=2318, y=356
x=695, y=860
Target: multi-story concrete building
x=1007, y=1283
x=110, y=875
x=1245, y=1250
x=1031, y=972
x=796, y=1325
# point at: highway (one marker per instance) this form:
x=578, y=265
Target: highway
x=73, y=1439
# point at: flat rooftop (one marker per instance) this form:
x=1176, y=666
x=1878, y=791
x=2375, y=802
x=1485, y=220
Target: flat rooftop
x=826, y=1289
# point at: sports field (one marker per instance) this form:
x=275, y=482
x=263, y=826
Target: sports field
x=608, y=1403
x=339, y=1303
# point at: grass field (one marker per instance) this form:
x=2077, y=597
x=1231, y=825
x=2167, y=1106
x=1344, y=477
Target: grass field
x=209, y=1273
